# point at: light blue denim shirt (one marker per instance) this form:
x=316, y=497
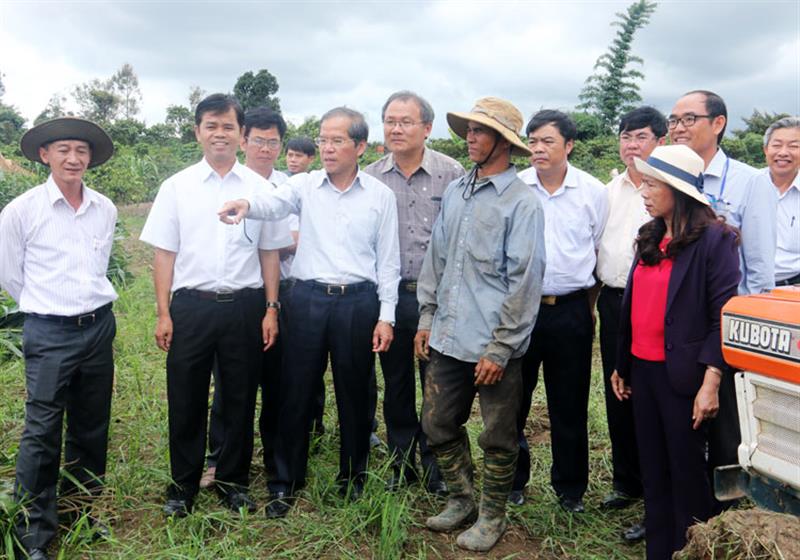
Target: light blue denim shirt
x=481, y=280
x=749, y=202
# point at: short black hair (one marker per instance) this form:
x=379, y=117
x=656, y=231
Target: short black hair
x=715, y=107
x=642, y=117
x=358, y=131
x=562, y=121
x=264, y=118
x=217, y=103
x=302, y=144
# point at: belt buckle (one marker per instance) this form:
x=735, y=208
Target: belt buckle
x=335, y=290
x=224, y=296
x=89, y=317
x=549, y=300
x=411, y=286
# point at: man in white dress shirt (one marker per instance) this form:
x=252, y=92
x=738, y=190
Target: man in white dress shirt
x=263, y=135
x=341, y=300
x=782, y=150
x=55, y=242
x=218, y=306
x=575, y=208
x=640, y=131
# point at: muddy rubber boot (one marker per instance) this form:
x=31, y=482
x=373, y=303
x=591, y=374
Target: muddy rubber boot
x=498, y=477
x=455, y=464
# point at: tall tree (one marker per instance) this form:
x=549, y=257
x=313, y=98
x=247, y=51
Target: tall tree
x=196, y=95
x=181, y=121
x=758, y=122
x=125, y=83
x=11, y=121
x=97, y=100
x=53, y=109
x=613, y=89
x=255, y=90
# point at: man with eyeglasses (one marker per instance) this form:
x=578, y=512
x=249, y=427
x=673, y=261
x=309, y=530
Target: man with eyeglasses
x=341, y=300
x=418, y=176
x=640, y=131
x=747, y=200
x=263, y=133
x=575, y=209
x=210, y=298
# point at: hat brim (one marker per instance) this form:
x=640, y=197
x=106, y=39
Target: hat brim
x=68, y=128
x=689, y=190
x=458, y=124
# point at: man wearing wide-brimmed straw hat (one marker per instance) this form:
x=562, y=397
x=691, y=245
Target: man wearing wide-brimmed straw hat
x=479, y=292
x=55, y=243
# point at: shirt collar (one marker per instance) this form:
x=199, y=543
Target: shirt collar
x=625, y=179
x=322, y=179
x=501, y=181
x=570, y=179
x=425, y=164
x=54, y=194
x=717, y=163
x=206, y=171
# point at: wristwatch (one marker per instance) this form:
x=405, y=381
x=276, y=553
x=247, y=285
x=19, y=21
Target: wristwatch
x=276, y=305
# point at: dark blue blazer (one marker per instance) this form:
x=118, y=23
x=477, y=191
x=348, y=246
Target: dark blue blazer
x=705, y=275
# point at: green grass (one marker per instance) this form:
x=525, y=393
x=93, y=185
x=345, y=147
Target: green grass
x=322, y=525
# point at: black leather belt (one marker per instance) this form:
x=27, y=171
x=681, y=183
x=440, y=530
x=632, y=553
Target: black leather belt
x=611, y=290
x=222, y=296
x=789, y=281
x=84, y=320
x=408, y=286
x=558, y=300
x=338, y=289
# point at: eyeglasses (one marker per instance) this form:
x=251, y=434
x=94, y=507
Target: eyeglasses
x=337, y=142
x=272, y=144
x=404, y=124
x=686, y=120
x=638, y=139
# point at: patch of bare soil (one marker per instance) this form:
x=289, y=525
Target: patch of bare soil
x=752, y=534
x=515, y=544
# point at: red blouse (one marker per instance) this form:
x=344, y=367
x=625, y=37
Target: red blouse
x=648, y=307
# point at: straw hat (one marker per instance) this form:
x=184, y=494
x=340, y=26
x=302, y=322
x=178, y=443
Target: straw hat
x=68, y=128
x=678, y=166
x=497, y=114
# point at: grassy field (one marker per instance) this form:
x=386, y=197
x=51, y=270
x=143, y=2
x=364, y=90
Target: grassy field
x=321, y=526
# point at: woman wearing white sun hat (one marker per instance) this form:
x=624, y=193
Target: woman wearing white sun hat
x=670, y=356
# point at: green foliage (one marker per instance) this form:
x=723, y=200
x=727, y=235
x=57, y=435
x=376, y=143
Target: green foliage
x=125, y=83
x=613, y=89
x=256, y=90
x=12, y=124
x=747, y=147
x=10, y=330
x=126, y=131
x=597, y=157
x=14, y=184
x=758, y=123
x=181, y=122
x=97, y=101
x=589, y=125
x=54, y=109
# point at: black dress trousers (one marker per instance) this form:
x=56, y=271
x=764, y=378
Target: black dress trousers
x=320, y=321
x=202, y=330
x=562, y=343
x=624, y=453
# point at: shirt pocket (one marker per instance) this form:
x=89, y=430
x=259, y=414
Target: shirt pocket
x=363, y=224
x=485, y=244
x=101, y=252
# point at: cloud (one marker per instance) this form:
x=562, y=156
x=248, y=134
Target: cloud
x=536, y=54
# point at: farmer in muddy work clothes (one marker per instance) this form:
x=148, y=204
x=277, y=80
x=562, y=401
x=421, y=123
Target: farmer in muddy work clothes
x=479, y=291
x=55, y=243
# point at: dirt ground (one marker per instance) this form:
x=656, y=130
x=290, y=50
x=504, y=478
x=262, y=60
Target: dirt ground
x=744, y=535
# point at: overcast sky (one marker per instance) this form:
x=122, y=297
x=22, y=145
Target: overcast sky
x=537, y=54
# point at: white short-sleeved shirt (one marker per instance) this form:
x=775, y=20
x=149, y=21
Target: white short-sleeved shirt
x=574, y=218
x=211, y=255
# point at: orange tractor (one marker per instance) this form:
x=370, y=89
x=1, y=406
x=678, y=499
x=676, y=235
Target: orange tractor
x=761, y=338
